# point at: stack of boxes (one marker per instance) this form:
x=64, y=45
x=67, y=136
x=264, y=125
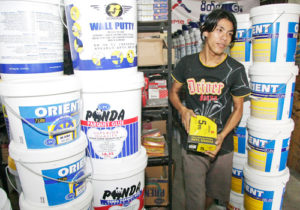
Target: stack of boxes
x=152, y=10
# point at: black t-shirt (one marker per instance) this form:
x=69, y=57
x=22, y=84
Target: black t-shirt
x=209, y=90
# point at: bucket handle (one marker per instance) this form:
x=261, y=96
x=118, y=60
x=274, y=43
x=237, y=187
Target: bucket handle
x=258, y=98
x=270, y=24
x=10, y=182
x=59, y=12
x=81, y=179
x=51, y=133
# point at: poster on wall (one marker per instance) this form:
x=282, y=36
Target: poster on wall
x=184, y=11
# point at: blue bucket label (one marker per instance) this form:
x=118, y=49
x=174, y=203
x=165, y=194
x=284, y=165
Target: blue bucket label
x=292, y=35
x=265, y=41
x=240, y=139
x=241, y=49
x=60, y=122
x=237, y=180
x=258, y=199
x=102, y=35
x=261, y=154
x=110, y=134
x=271, y=100
x=59, y=192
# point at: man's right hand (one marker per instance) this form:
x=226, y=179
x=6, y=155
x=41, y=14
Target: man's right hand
x=186, y=114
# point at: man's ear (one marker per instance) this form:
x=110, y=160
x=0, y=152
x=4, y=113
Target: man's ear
x=205, y=34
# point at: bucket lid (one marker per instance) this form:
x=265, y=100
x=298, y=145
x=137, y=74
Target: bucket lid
x=263, y=178
x=18, y=152
x=39, y=87
x=273, y=69
x=240, y=18
x=84, y=201
x=40, y=1
x=287, y=8
x=272, y=126
x=111, y=81
x=119, y=170
x=3, y=198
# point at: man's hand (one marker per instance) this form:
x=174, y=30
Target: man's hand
x=186, y=117
x=219, y=141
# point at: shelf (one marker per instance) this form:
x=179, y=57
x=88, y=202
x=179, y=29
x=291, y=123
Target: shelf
x=158, y=161
x=154, y=69
x=152, y=26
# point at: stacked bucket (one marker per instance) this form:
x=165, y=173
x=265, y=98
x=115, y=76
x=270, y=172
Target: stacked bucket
x=272, y=81
x=103, y=39
x=43, y=108
x=241, y=51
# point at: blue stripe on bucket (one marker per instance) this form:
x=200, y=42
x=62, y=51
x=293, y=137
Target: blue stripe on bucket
x=31, y=68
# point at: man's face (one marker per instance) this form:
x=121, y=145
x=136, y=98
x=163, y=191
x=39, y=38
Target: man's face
x=219, y=39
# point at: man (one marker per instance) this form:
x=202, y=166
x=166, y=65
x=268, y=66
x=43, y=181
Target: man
x=213, y=82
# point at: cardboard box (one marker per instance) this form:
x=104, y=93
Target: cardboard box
x=156, y=186
x=150, y=52
x=159, y=124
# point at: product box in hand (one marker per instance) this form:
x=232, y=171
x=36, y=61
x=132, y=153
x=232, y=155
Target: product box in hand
x=202, y=134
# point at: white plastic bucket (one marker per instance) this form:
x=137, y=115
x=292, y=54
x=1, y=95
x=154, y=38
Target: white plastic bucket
x=242, y=47
x=273, y=88
x=42, y=113
x=102, y=34
x=4, y=201
x=84, y=202
x=120, y=184
x=237, y=177
x=42, y=172
x=236, y=201
x=264, y=190
x=268, y=142
x=274, y=32
x=31, y=39
x=112, y=115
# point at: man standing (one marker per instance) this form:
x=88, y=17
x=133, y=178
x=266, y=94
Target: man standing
x=214, y=83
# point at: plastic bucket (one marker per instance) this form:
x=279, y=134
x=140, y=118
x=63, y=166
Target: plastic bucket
x=242, y=48
x=237, y=178
x=112, y=115
x=236, y=201
x=4, y=201
x=31, y=39
x=13, y=170
x=120, y=185
x=268, y=143
x=240, y=133
x=84, y=202
x=102, y=34
x=274, y=32
x=272, y=88
x=264, y=190
x=42, y=113
x=51, y=172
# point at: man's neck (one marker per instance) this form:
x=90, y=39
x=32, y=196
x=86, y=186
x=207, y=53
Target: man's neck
x=210, y=59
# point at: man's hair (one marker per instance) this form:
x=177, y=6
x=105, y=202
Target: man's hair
x=214, y=17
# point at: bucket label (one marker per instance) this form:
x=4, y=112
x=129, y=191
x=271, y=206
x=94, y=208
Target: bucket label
x=103, y=35
x=237, y=181
x=52, y=125
x=110, y=134
x=265, y=41
x=59, y=192
x=239, y=140
x=270, y=100
x=292, y=35
x=241, y=49
x=262, y=153
x=128, y=197
x=257, y=199
x=31, y=38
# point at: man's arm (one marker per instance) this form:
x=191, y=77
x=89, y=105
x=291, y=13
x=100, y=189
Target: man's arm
x=231, y=123
x=184, y=112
